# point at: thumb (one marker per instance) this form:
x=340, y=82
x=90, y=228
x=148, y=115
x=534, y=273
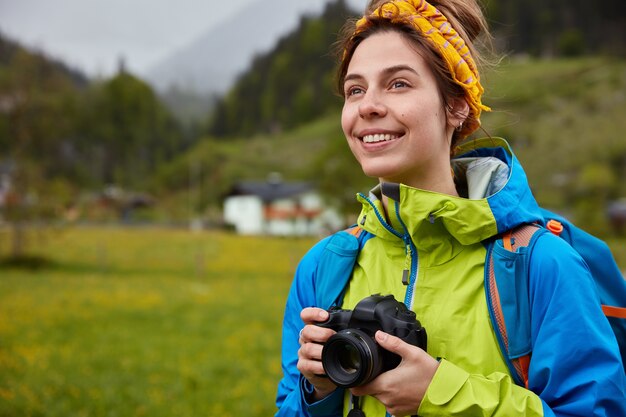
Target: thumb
x=392, y=343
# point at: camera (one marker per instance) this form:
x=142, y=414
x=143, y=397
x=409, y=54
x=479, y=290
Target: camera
x=351, y=357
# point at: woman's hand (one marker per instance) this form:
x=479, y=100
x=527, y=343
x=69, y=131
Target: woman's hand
x=311, y=341
x=402, y=389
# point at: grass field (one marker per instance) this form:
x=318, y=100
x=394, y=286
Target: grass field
x=145, y=322
x=155, y=322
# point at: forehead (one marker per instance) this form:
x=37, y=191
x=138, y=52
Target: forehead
x=385, y=49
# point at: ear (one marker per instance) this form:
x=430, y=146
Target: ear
x=457, y=112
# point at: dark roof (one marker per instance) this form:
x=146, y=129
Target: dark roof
x=269, y=191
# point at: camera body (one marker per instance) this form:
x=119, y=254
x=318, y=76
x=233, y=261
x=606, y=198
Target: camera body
x=351, y=357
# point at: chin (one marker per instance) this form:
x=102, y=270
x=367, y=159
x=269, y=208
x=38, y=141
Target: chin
x=381, y=174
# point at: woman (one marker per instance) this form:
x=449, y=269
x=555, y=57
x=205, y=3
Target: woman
x=412, y=92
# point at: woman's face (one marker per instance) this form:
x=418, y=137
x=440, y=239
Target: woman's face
x=393, y=115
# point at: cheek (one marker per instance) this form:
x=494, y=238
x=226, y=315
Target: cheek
x=347, y=121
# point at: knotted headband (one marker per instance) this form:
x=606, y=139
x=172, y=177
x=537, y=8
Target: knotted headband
x=430, y=22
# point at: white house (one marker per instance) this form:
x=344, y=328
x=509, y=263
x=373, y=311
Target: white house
x=279, y=208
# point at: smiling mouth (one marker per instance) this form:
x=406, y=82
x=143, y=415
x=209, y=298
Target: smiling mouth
x=378, y=138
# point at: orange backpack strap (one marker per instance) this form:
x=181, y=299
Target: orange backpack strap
x=611, y=311
x=522, y=364
x=507, y=241
x=519, y=237
x=511, y=321
x=355, y=231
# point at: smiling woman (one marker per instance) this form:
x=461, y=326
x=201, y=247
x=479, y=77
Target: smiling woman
x=412, y=93
x=394, y=118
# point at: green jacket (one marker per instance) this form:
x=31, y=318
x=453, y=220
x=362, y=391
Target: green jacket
x=447, y=296
x=436, y=243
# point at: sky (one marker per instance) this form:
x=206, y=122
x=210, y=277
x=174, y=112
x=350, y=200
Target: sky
x=92, y=35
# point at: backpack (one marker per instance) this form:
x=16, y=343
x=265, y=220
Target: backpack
x=506, y=286
x=506, y=281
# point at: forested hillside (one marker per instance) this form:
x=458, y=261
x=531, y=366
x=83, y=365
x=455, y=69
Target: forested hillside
x=564, y=118
x=559, y=27
x=288, y=86
x=293, y=83
x=11, y=51
x=65, y=139
x=62, y=134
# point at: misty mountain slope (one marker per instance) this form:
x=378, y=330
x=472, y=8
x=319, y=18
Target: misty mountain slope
x=212, y=62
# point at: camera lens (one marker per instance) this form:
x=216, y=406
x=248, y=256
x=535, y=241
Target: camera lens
x=351, y=358
x=348, y=358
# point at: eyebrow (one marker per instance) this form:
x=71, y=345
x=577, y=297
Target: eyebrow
x=386, y=72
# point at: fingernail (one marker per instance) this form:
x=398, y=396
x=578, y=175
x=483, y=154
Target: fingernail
x=323, y=314
x=382, y=336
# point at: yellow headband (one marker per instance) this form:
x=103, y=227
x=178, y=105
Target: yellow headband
x=427, y=20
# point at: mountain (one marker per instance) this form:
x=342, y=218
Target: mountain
x=291, y=84
x=210, y=64
x=11, y=52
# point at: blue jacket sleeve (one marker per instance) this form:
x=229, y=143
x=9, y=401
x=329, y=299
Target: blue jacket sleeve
x=293, y=387
x=575, y=367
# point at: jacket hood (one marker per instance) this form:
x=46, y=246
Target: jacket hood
x=512, y=203
x=495, y=198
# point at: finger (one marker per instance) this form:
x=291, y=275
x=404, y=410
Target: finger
x=309, y=363
x=315, y=334
x=311, y=351
x=394, y=344
x=312, y=315
x=310, y=368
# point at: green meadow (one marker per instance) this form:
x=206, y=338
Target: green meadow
x=154, y=322
x=146, y=321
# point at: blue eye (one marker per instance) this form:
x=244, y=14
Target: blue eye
x=399, y=84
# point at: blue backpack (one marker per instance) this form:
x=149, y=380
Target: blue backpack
x=506, y=286
x=506, y=282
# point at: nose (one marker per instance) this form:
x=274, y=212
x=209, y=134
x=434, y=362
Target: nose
x=371, y=105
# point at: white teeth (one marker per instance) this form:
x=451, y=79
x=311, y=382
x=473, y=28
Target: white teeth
x=378, y=138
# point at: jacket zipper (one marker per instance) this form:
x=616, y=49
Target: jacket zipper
x=409, y=274
x=411, y=255
x=411, y=258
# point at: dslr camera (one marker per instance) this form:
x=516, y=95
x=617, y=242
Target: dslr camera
x=351, y=357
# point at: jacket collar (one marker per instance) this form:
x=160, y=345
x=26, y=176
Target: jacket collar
x=500, y=200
